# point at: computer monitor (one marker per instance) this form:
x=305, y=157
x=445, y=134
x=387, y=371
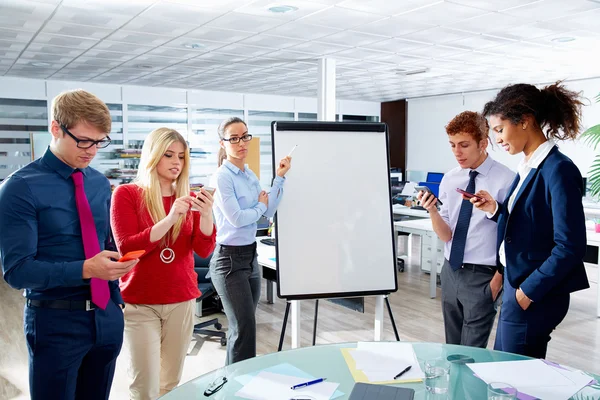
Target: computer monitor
x=434, y=177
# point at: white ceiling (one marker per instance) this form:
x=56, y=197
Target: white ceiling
x=459, y=44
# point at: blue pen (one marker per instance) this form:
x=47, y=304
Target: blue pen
x=309, y=383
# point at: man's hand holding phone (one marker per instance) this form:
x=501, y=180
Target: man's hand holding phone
x=428, y=201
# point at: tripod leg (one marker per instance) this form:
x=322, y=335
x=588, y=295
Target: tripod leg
x=315, y=324
x=285, y=318
x=387, y=301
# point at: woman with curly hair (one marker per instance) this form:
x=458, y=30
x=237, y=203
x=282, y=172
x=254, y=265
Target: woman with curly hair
x=541, y=227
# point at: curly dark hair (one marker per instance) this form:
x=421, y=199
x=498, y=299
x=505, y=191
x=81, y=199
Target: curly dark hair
x=471, y=123
x=555, y=109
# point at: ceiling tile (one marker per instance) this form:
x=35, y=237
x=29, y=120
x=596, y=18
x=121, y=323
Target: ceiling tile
x=586, y=21
x=443, y=13
x=245, y=22
x=302, y=31
x=65, y=29
x=128, y=8
x=121, y=47
x=109, y=55
x=386, y=7
x=394, y=27
x=15, y=35
x=494, y=5
x=82, y=16
x=64, y=41
x=479, y=42
x=179, y=13
x=182, y=54
x=49, y=49
x=147, y=25
x=245, y=50
x=437, y=35
x=342, y=18
x=351, y=38
x=261, y=8
x=550, y=9
x=193, y=45
x=318, y=48
x=145, y=39
x=276, y=42
x=492, y=22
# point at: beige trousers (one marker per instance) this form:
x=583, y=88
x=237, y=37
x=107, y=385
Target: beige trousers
x=157, y=338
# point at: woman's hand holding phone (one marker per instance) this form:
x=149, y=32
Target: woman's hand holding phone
x=484, y=201
x=203, y=202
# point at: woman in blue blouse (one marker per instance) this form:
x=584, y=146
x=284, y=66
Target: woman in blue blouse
x=239, y=202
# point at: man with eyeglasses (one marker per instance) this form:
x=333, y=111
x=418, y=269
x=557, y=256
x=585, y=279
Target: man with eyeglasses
x=54, y=236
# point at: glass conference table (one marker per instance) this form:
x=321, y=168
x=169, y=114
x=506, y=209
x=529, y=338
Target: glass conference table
x=328, y=361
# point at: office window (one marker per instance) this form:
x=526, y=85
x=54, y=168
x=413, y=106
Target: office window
x=106, y=159
x=204, y=141
x=360, y=118
x=141, y=120
x=19, y=121
x=259, y=125
x=312, y=117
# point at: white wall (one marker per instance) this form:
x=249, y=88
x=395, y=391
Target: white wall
x=427, y=143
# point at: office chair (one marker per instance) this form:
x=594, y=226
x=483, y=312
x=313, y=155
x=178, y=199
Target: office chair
x=208, y=291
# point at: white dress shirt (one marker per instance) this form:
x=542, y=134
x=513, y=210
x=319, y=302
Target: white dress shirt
x=525, y=166
x=494, y=178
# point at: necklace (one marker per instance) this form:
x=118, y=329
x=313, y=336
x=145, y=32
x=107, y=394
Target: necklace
x=167, y=255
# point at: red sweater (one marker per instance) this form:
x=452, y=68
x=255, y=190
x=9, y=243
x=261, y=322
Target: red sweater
x=152, y=281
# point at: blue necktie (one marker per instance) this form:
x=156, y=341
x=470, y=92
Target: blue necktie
x=459, y=239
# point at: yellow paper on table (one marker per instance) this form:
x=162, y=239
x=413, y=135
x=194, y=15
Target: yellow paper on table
x=360, y=376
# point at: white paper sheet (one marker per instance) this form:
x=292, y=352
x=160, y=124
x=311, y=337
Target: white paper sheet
x=381, y=361
x=533, y=377
x=270, y=386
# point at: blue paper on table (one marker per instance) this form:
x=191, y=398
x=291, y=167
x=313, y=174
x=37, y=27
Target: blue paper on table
x=283, y=369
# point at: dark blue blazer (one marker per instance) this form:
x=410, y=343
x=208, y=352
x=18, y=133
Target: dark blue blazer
x=544, y=235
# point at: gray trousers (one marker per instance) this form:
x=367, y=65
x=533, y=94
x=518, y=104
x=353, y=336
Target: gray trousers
x=467, y=306
x=236, y=276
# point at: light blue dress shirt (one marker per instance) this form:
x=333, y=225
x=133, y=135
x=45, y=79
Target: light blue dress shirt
x=496, y=179
x=236, y=207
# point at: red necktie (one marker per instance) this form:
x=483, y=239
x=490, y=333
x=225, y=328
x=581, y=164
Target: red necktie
x=99, y=287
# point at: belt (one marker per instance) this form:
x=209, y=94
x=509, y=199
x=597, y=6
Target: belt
x=86, y=305
x=486, y=269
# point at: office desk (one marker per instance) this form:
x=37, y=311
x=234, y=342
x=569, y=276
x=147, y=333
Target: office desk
x=327, y=361
x=266, y=255
x=431, y=247
x=409, y=212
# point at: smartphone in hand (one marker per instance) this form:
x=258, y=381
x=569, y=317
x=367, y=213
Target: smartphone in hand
x=467, y=194
x=426, y=189
x=132, y=255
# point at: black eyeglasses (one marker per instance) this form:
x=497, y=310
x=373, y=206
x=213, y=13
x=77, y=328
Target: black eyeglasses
x=236, y=140
x=86, y=144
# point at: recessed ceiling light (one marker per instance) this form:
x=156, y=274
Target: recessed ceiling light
x=144, y=66
x=282, y=9
x=193, y=45
x=39, y=64
x=563, y=39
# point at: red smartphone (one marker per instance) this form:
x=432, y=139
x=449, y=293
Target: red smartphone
x=132, y=255
x=467, y=194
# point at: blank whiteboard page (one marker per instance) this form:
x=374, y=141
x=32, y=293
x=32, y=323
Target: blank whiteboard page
x=334, y=225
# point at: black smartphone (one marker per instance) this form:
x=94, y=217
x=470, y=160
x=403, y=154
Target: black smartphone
x=426, y=189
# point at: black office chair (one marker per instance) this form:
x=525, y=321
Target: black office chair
x=208, y=292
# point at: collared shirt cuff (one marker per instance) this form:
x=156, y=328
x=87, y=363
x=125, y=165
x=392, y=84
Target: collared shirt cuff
x=278, y=180
x=261, y=208
x=491, y=215
x=73, y=274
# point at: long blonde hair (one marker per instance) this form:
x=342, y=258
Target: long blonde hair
x=155, y=146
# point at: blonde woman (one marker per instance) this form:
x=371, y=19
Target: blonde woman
x=155, y=214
